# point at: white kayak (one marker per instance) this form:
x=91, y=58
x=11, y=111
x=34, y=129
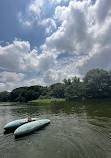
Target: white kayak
x=30, y=127
x=15, y=124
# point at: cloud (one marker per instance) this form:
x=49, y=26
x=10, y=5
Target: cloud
x=46, y=62
x=72, y=36
x=6, y=86
x=55, y=76
x=59, y=1
x=18, y=57
x=78, y=39
x=33, y=81
x=100, y=54
x=9, y=80
x=31, y=14
x=23, y=21
x=49, y=25
x=103, y=10
x=52, y=76
x=85, y=32
x=35, y=8
x=11, y=77
x=35, y=15
x=99, y=58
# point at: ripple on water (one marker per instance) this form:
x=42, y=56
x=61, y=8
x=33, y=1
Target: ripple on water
x=73, y=133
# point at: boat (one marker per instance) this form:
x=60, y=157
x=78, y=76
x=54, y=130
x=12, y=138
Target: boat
x=30, y=127
x=15, y=124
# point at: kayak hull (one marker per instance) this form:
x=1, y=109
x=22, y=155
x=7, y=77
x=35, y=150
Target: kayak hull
x=15, y=124
x=30, y=127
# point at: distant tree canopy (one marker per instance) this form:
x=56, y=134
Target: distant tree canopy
x=57, y=90
x=74, y=90
x=4, y=96
x=96, y=84
x=25, y=94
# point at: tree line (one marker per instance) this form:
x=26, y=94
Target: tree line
x=95, y=84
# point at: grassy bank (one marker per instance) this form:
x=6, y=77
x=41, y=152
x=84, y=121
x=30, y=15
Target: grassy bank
x=47, y=100
x=6, y=102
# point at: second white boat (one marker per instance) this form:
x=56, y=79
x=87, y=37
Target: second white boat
x=30, y=127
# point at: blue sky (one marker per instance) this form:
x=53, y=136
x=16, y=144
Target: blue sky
x=42, y=42
x=11, y=27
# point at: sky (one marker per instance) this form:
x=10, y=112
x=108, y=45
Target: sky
x=44, y=41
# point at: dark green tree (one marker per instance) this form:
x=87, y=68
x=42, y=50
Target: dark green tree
x=4, y=96
x=97, y=83
x=57, y=90
x=67, y=82
x=76, y=90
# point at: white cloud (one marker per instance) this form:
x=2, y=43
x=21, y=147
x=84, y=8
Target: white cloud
x=35, y=15
x=31, y=14
x=49, y=24
x=98, y=58
x=46, y=62
x=100, y=54
x=55, y=76
x=34, y=8
x=52, y=76
x=18, y=57
x=84, y=33
x=11, y=77
x=59, y=1
x=72, y=36
x=9, y=80
x=103, y=10
x=33, y=81
x=6, y=86
x=23, y=21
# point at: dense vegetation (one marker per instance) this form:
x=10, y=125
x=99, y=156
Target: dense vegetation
x=96, y=84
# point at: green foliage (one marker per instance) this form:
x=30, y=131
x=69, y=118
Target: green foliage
x=4, y=96
x=67, y=82
x=47, y=100
x=25, y=94
x=95, y=84
x=76, y=90
x=98, y=83
x=57, y=90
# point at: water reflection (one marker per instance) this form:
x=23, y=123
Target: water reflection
x=77, y=129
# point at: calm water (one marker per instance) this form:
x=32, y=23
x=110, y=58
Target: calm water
x=77, y=130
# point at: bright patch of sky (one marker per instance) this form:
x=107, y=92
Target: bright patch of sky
x=42, y=42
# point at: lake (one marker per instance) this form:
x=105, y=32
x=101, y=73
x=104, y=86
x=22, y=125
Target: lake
x=80, y=129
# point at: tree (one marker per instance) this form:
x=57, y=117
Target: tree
x=15, y=94
x=97, y=83
x=57, y=90
x=67, y=82
x=75, y=90
x=4, y=96
x=25, y=94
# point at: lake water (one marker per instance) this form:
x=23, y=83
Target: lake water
x=77, y=130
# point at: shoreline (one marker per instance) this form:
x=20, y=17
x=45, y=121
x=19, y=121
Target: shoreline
x=48, y=100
